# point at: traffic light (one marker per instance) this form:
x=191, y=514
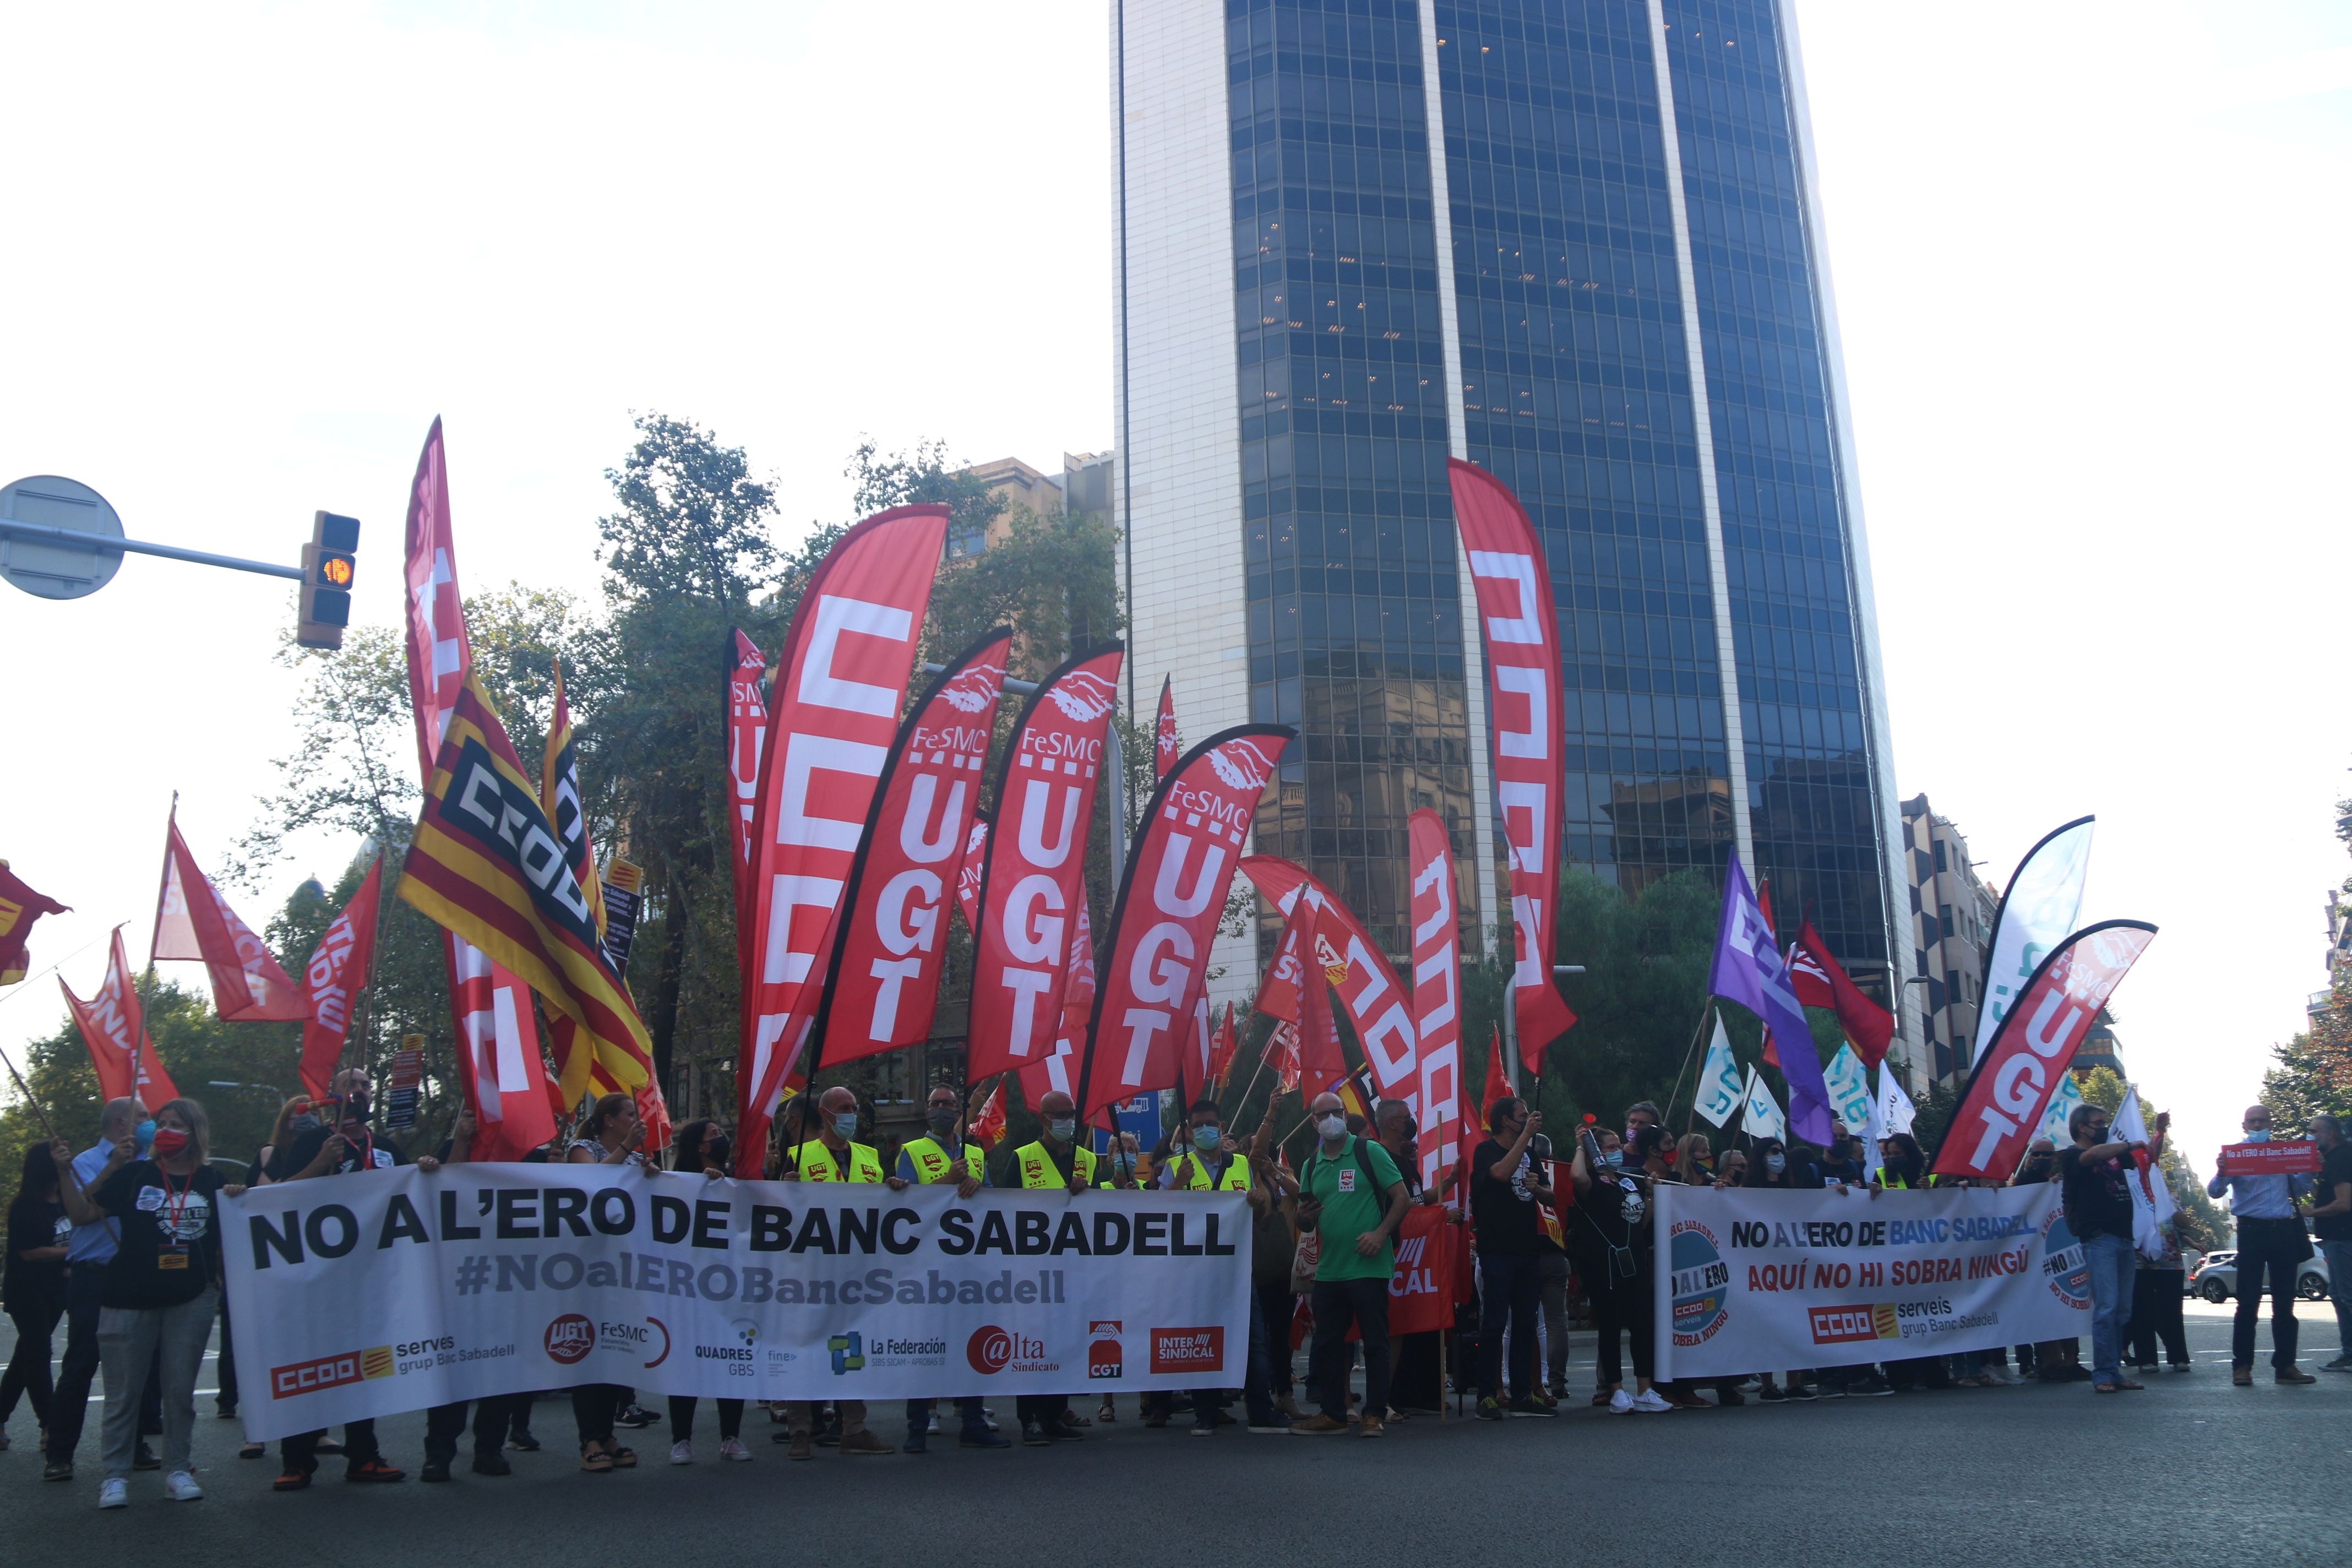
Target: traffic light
x=329, y=562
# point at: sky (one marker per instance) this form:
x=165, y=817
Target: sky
x=2087, y=260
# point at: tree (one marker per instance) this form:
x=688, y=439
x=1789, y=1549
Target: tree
x=2201, y=1226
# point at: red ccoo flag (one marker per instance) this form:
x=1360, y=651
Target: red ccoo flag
x=987, y=1129
x=19, y=908
x=193, y=921
x=1520, y=633
x=1163, y=732
x=841, y=680
x=891, y=945
x=1819, y=983
x=114, y=1027
x=337, y=970
x=1169, y=905
x=1436, y=987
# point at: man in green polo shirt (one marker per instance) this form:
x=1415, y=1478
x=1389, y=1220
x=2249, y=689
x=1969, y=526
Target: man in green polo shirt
x=1350, y=1196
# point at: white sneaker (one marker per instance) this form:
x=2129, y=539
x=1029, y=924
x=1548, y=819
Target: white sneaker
x=733, y=1449
x=1652, y=1403
x=1621, y=1404
x=181, y=1487
x=114, y=1492
x=681, y=1453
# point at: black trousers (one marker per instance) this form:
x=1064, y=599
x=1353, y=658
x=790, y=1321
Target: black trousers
x=69, y=1399
x=2273, y=1248
x=1621, y=1303
x=1277, y=1303
x=2156, y=1315
x=1510, y=1291
x=1340, y=1304
x=301, y=1452
x=681, y=1418
x=443, y=1423
x=593, y=1406
x=28, y=1367
x=225, y=1400
x=1028, y=1407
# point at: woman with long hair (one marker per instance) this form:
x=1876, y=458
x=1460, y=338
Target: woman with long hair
x=1769, y=1165
x=608, y=1135
x=35, y=1286
x=162, y=1290
x=703, y=1147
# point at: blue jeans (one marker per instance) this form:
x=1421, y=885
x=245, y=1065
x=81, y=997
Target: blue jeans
x=2340, y=1289
x=2113, y=1264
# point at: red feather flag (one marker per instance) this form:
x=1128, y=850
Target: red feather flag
x=1520, y=633
x=987, y=1129
x=841, y=681
x=1294, y=991
x=1819, y=983
x=1436, y=987
x=114, y=1026
x=499, y=1064
x=1497, y=1086
x=1163, y=732
x=1169, y=905
x=194, y=921
x=975, y=846
x=1221, y=1055
x=747, y=735
x=337, y=971
x=1032, y=884
x=1378, y=1008
x=887, y=956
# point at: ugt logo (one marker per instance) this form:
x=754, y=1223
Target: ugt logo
x=848, y=1351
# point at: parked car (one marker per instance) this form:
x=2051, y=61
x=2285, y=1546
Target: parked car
x=2216, y=1278
x=2220, y=1258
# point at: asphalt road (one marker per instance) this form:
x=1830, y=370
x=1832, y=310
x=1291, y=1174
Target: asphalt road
x=2192, y=1471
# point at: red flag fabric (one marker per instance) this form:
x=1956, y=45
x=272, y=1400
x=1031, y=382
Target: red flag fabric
x=1289, y=1072
x=489, y=1008
x=1819, y=983
x=1294, y=991
x=1034, y=876
x=1169, y=905
x=19, y=908
x=110, y=1022
x=337, y=970
x=1471, y=1123
x=1163, y=737
x=886, y=962
x=1497, y=1087
x=1421, y=1291
x=1436, y=987
x=1378, y=1008
x=1057, y=1070
x=1518, y=631
x=987, y=1129
x=841, y=681
x=193, y=921
x=975, y=846
x=1222, y=1053
x=2010, y=1090
x=747, y=734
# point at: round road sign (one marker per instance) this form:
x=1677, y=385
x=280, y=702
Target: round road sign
x=50, y=567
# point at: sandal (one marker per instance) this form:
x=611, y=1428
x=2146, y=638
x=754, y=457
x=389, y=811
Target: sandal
x=623, y=1458
x=594, y=1459
x=2129, y=1385
x=1968, y=1383
x=2104, y=1388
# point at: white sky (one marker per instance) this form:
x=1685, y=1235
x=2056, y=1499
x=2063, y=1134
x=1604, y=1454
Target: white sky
x=2089, y=261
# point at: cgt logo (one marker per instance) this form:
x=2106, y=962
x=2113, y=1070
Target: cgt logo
x=330, y=1371
x=569, y=1340
x=1853, y=1325
x=1106, y=1357
x=1187, y=1350
x=848, y=1352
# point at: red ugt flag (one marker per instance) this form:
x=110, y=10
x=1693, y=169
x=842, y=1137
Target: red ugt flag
x=109, y=1022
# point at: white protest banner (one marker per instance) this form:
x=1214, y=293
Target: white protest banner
x=1755, y=1278
x=395, y=1290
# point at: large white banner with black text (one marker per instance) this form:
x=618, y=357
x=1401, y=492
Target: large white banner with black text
x=1754, y=1280
x=391, y=1290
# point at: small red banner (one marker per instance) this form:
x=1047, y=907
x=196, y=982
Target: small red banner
x=2292, y=1158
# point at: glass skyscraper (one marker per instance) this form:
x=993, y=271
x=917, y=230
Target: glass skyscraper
x=1575, y=242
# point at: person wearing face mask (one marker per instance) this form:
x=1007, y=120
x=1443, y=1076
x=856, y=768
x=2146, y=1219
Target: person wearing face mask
x=940, y=1157
x=1902, y=1165
x=2330, y=1213
x=1204, y=1158
x=2099, y=1212
x=2051, y=1361
x=1613, y=1250
x=2271, y=1240
x=162, y=1289
x=1054, y=1159
x=833, y=1155
x=89, y=1250
x=1417, y=1373
x=1353, y=1196
x=1506, y=1186
x=1768, y=1168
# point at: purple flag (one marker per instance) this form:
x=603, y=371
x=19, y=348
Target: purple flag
x=1749, y=970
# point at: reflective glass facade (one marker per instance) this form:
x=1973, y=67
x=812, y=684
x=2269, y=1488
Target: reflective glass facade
x=1556, y=209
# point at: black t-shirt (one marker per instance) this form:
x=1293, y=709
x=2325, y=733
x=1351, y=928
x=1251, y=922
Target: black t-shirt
x=1503, y=1212
x=2096, y=1201
x=379, y=1153
x=35, y=1222
x=164, y=1218
x=2335, y=1170
x=1613, y=1216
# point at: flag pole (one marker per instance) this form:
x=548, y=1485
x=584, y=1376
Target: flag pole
x=146, y=984
x=1697, y=1035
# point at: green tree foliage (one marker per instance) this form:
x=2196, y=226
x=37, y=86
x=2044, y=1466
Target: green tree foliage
x=2202, y=1223
x=2314, y=1075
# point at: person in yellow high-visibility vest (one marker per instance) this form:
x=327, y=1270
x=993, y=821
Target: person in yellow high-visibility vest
x=833, y=1155
x=1056, y=1158
x=939, y=1157
x=1202, y=1158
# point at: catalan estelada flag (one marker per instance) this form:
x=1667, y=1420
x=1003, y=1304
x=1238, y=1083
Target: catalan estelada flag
x=487, y=865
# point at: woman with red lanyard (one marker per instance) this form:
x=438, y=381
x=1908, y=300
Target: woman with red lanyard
x=161, y=1291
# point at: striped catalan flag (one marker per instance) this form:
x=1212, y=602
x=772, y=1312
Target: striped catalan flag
x=487, y=865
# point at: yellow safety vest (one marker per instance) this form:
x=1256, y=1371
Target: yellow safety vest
x=1193, y=1174
x=819, y=1163
x=1039, y=1169
x=932, y=1160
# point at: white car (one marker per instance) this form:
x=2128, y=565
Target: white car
x=2216, y=1279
